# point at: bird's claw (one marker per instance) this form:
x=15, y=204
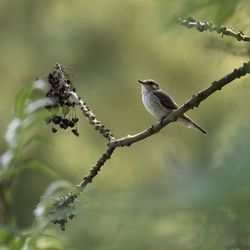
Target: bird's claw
x=151, y=129
x=161, y=120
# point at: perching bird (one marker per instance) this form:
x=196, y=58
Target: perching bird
x=160, y=104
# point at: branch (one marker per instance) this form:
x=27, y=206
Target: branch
x=65, y=203
x=190, y=104
x=63, y=208
x=88, y=113
x=96, y=168
x=190, y=22
x=60, y=93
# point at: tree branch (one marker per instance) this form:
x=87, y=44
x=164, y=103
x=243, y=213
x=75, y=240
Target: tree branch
x=65, y=202
x=190, y=22
x=96, y=168
x=190, y=104
x=60, y=93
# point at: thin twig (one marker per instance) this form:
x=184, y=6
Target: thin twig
x=190, y=22
x=88, y=113
x=96, y=168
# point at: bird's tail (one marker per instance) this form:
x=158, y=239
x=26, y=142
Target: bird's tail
x=191, y=124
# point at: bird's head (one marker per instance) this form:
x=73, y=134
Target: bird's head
x=149, y=84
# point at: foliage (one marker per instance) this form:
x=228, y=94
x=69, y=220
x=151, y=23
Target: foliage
x=20, y=137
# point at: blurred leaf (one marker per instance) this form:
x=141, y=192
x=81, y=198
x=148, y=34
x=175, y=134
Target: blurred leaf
x=46, y=200
x=5, y=234
x=21, y=101
x=36, y=105
x=11, y=136
x=6, y=159
x=62, y=214
x=18, y=242
x=34, y=119
x=56, y=186
x=224, y=9
x=46, y=211
x=30, y=243
x=37, y=165
x=220, y=10
x=40, y=85
x=52, y=248
x=42, y=139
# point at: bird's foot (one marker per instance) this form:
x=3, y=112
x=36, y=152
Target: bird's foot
x=151, y=128
x=162, y=119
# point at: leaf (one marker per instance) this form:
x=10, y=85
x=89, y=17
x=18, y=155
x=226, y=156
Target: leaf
x=224, y=10
x=5, y=234
x=62, y=215
x=40, y=85
x=46, y=200
x=34, y=119
x=18, y=242
x=46, y=211
x=42, y=139
x=52, y=248
x=36, y=165
x=56, y=186
x=11, y=135
x=38, y=104
x=21, y=100
x=6, y=159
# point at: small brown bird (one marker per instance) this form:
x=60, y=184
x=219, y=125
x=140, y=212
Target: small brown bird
x=159, y=103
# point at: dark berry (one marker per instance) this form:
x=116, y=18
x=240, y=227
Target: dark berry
x=74, y=131
x=71, y=124
x=54, y=130
x=56, y=119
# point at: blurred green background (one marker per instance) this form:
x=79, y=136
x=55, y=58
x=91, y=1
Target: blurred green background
x=175, y=190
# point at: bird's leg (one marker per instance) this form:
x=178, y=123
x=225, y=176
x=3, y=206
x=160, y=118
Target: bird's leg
x=161, y=120
x=152, y=128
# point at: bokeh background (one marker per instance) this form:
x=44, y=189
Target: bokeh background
x=175, y=190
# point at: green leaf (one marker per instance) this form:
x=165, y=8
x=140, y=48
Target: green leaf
x=62, y=215
x=52, y=248
x=36, y=165
x=56, y=186
x=21, y=101
x=34, y=119
x=224, y=10
x=18, y=242
x=5, y=235
x=41, y=139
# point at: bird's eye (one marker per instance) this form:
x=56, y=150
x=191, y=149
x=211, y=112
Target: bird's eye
x=154, y=86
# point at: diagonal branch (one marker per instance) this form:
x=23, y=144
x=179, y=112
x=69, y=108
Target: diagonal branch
x=190, y=22
x=88, y=113
x=190, y=104
x=60, y=93
x=96, y=168
x=65, y=202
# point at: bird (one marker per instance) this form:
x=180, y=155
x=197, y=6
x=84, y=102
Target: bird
x=160, y=104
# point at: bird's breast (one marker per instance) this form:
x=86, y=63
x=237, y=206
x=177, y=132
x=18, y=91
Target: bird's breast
x=153, y=105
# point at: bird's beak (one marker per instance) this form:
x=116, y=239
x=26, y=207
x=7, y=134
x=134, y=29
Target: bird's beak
x=141, y=82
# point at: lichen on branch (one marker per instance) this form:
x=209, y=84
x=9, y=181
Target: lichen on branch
x=190, y=22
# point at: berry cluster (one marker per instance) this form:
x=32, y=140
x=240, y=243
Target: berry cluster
x=61, y=106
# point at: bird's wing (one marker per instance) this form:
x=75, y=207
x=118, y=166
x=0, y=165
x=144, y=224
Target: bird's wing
x=165, y=100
